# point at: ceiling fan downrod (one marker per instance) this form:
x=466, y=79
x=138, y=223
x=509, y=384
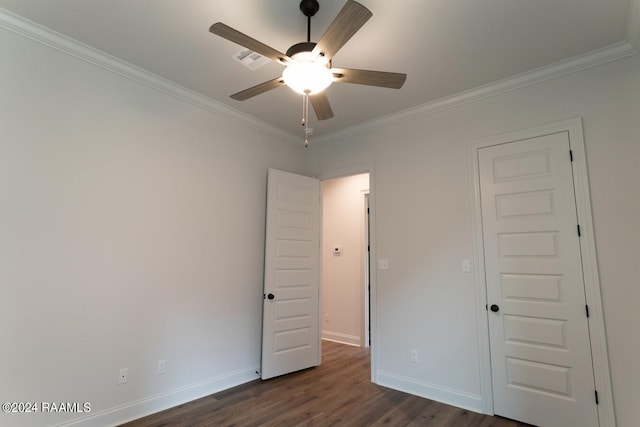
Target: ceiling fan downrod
x=308, y=9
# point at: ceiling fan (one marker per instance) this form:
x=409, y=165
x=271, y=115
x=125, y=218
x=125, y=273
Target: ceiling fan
x=309, y=68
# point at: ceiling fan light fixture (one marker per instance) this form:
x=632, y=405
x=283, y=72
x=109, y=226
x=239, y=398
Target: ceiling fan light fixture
x=307, y=76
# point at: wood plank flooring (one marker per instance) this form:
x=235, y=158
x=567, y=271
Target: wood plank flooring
x=336, y=393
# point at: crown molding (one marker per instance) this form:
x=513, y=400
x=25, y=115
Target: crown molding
x=633, y=25
x=42, y=35
x=578, y=63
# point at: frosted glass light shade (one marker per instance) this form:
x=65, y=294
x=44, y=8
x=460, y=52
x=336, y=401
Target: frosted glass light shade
x=307, y=77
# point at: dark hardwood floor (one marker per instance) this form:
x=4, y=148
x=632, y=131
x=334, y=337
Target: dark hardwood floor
x=336, y=393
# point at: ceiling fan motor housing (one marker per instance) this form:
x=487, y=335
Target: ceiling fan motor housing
x=300, y=47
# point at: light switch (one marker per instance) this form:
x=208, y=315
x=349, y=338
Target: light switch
x=466, y=265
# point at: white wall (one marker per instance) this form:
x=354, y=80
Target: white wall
x=131, y=230
x=423, y=226
x=343, y=275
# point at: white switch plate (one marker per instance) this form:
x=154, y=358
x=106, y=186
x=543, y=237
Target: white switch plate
x=383, y=264
x=466, y=265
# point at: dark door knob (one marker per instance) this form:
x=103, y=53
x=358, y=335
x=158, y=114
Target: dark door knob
x=494, y=308
x=271, y=296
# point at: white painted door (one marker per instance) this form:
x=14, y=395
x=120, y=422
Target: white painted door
x=290, y=329
x=541, y=363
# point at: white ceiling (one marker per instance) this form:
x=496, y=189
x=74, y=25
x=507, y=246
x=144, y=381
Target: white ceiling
x=444, y=46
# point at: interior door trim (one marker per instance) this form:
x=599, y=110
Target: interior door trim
x=599, y=352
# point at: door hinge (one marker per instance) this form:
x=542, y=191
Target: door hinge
x=586, y=307
x=367, y=210
x=597, y=401
x=368, y=248
x=571, y=155
x=579, y=234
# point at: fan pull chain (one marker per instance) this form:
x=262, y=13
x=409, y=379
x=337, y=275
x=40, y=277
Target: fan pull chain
x=305, y=106
x=305, y=118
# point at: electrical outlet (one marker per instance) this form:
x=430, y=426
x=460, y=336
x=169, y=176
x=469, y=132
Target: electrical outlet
x=123, y=376
x=466, y=265
x=413, y=355
x=162, y=367
x=326, y=318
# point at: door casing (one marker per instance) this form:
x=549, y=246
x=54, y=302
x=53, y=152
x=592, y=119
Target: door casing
x=589, y=265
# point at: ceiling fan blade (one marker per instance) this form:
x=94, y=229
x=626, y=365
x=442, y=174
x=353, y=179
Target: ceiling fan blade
x=226, y=32
x=258, y=89
x=349, y=20
x=368, y=77
x=321, y=106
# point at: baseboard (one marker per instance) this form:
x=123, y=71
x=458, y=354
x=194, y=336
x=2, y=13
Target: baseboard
x=342, y=338
x=445, y=395
x=141, y=408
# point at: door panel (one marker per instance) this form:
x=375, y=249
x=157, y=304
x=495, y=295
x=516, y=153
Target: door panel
x=290, y=337
x=541, y=365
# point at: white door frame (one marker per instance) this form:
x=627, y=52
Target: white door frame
x=366, y=325
x=341, y=173
x=589, y=263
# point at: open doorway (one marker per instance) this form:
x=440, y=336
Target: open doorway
x=345, y=315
